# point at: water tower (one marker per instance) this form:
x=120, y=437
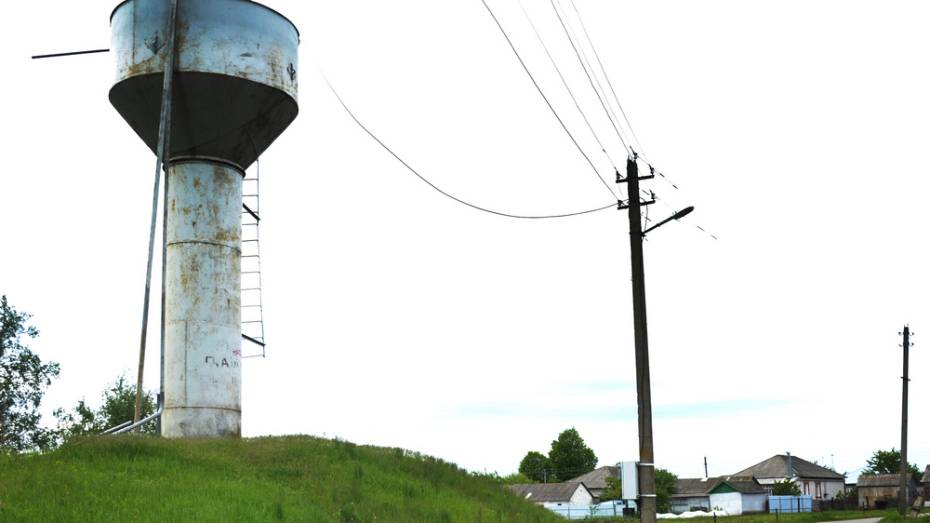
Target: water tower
x=234, y=90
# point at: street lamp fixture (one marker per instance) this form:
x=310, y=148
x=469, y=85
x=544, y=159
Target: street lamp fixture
x=677, y=216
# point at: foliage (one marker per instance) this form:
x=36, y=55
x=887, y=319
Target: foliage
x=887, y=462
x=23, y=380
x=570, y=457
x=118, y=405
x=534, y=466
x=614, y=489
x=785, y=488
x=515, y=478
x=665, y=487
x=294, y=478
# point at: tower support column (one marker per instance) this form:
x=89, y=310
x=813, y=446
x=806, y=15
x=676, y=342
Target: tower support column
x=203, y=372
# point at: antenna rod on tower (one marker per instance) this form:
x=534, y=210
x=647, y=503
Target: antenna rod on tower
x=164, y=129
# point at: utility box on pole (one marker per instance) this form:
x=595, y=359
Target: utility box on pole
x=629, y=480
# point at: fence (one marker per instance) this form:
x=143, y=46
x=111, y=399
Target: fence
x=786, y=504
x=587, y=511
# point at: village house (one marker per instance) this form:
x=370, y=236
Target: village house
x=881, y=490
x=813, y=480
x=734, y=494
x=596, y=480
x=925, y=483
x=549, y=495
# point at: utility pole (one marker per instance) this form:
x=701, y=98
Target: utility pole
x=646, y=466
x=705, y=468
x=902, y=490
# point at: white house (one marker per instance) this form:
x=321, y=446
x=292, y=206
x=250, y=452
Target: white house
x=549, y=495
x=813, y=480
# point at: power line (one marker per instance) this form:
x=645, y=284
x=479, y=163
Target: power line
x=604, y=73
x=593, y=86
x=567, y=88
x=444, y=193
x=539, y=89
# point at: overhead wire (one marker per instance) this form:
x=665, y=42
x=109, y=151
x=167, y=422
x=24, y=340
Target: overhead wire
x=546, y=99
x=612, y=205
x=567, y=87
x=600, y=64
x=588, y=75
x=613, y=92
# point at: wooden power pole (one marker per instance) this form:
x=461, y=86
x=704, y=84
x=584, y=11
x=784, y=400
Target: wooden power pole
x=646, y=466
x=903, y=489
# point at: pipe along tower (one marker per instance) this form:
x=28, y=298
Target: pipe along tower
x=232, y=90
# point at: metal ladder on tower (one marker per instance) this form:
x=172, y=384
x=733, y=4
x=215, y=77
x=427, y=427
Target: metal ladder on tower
x=253, y=324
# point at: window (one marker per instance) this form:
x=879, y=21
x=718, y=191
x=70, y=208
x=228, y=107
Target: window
x=817, y=486
x=807, y=488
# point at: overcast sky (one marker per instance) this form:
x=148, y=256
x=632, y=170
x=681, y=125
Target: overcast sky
x=398, y=317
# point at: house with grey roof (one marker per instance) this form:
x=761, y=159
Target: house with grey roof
x=554, y=494
x=596, y=480
x=734, y=494
x=925, y=484
x=812, y=479
x=881, y=490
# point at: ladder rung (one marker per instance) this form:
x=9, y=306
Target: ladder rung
x=254, y=240
x=255, y=224
x=253, y=321
x=244, y=306
x=251, y=289
x=250, y=272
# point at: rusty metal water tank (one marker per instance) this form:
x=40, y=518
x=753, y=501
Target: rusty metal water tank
x=235, y=80
x=234, y=91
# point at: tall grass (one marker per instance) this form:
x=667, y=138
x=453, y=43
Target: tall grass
x=295, y=478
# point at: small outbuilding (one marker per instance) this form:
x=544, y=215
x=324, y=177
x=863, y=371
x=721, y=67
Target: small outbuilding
x=734, y=494
x=596, y=480
x=881, y=490
x=691, y=494
x=549, y=495
x=738, y=495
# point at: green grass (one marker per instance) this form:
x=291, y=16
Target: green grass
x=263, y=479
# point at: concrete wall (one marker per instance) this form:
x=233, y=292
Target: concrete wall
x=581, y=497
x=731, y=502
x=754, y=502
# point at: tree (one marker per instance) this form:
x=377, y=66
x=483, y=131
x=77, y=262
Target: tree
x=534, y=466
x=118, y=406
x=665, y=487
x=23, y=380
x=785, y=488
x=887, y=462
x=614, y=489
x=570, y=457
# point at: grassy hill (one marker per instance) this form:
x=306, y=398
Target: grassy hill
x=262, y=479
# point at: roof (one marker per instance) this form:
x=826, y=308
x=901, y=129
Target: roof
x=777, y=465
x=539, y=492
x=881, y=480
x=597, y=478
x=700, y=487
x=926, y=477
x=694, y=487
x=741, y=484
